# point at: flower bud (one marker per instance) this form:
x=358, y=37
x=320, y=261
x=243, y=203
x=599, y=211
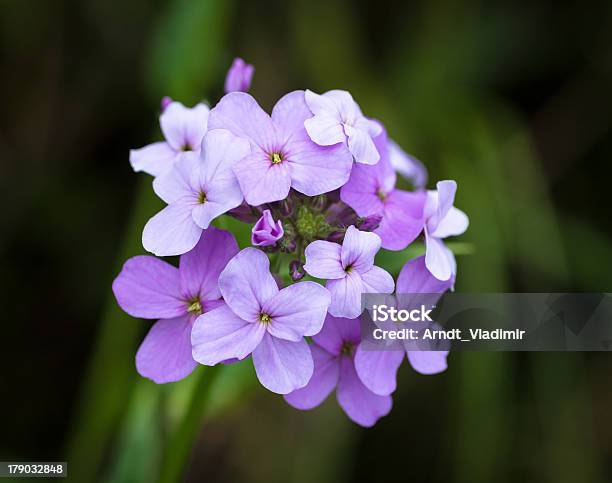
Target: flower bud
x=286, y=206
x=266, y=231
x=165, y=102
x=239, y=76
x=370, y=223
x=336, y=236
x=296, y=270
x=245, y=213
x=342, y=215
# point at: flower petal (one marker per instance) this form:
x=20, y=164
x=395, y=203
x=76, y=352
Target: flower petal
x=153, y=159
x=184, y=127
x=282, y=366
x=336, y=332
x=200, y=268
x=176, y=183
x=297, y=310
x=402, y=219
x=361, y=192
x=221, y=150
x=220, y=335
x=240, y=114
x=359, y=249
x=428, y=362
x=321, y=384
x=262, y=181
x=247, y=284
x=439, y=260
x=172, y=231
x=325, y=130
x=165, y=353
x=361, y=146
x=148, y=288
x=346, y=296
x=323, y=260
x=358, y=402
x=408, y=166
x=239, y=76
x=378, y=369
x=415, y=278
x=454, y=223
x=377, y=280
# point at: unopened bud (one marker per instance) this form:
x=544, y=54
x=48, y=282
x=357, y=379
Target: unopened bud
x=165, y=102
x=370, y=223
x=296, y=270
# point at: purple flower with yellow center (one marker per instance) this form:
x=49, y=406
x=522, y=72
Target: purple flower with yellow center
x=198, y=189
x=338, y=119
x=266, y=232
x=442, y=220
x=408, y=166
x=183, y=130
x=150, y=288
x=239, y=76
x=283, y=156
x=333, y=352
x=349, y=270
x=259, y=319
x=371, y=191
x=378, y=369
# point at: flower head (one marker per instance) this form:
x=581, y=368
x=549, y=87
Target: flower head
x=333, y=352
x=239, y=76
x=371, y=191
x=338, y=119
x=259, y=319
x=183, y=130
x=442, y=220
x=266, y=232
x=283, y=156
x=153, y=289
x=378, y=369
x=197, y=189
x=349, y=269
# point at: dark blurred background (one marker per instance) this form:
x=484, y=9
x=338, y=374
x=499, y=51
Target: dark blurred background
x=513, y=100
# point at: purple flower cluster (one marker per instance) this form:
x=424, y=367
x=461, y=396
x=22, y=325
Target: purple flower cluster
x=317, y=181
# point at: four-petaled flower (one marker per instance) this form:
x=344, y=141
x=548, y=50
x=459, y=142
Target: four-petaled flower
x=338, y=119
x=183, y=129
x=378, y=368
x=239, y=76
x=259, y=318
x=283, y=156
x=333, y=352
x=442, y=220
x=198, y=189
x=349, y=269
x=153, y=289
x=371, y=191
x=266, y=232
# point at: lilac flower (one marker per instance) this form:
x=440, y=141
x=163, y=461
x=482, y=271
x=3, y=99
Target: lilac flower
x=333, y=352
x=371, y=191
x=283, y=156
x=266, y=232
x=153, y=289
x=183, y=129
x=259, y=318
x=378, y=369
x=442, y=219
x=198, y=189
x=338, y=119
x=408, y=166
x=349, y=270
x=239, y=76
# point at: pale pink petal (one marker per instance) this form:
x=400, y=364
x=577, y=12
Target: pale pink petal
x=297, y=310
x=153, y=159
x=220, y=335
x=262, y=181
x=321, y=384
x=247, y=284
x=172, y=231
x=323, y=260
x=165, y=353
x=377, y=370
x=200, y=268
x=282, y=366
x=149, y=288
x=359, y=249
x=358, y=402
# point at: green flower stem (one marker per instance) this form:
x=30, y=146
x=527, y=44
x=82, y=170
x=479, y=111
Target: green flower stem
x=180, y=441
